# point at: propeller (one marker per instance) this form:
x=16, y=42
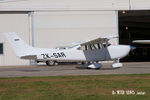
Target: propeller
x=132, y=47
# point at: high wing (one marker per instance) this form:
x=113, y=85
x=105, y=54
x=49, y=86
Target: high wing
x=99, y=43
x=98, y=40
x=101, y=40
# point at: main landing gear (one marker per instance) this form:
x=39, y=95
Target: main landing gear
x=96, y=65
x=92, y=65
x=51, y=63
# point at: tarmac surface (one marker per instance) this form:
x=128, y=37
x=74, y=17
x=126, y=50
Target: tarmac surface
x=65, y=70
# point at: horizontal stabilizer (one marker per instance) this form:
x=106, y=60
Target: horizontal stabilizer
x=29, y=57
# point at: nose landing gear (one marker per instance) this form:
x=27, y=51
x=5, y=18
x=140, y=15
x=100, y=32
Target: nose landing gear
x=117, y=64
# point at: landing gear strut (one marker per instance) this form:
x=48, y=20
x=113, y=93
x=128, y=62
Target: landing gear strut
x=117, y=64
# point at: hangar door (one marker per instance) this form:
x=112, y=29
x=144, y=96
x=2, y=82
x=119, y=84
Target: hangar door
x=12, y=22
x=135, y=25
x=62, y=28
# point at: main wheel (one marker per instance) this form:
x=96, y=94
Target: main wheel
x=50, y=63
x=82, y=63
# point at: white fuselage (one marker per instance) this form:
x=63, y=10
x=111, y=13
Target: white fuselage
x=112, y=52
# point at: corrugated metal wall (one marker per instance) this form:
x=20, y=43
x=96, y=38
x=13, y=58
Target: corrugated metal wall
x=65, y=5
x=40, y=5
x=140, y=4
x=62, y=28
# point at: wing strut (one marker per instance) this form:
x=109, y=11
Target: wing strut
x=106, y=50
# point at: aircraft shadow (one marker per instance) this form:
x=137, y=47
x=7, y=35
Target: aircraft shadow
x=109, y=68
x=84, y=68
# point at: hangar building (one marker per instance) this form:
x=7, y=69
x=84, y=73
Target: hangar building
x=52, y=23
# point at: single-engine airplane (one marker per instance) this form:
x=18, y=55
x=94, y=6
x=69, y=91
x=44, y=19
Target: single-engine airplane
x=89, y=53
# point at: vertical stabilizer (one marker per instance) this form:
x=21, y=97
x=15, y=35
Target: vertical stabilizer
x=18, y=45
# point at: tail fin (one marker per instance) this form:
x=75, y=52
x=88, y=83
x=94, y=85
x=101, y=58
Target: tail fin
x=18, y=45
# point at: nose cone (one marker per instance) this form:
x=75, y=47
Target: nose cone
x=119, y=51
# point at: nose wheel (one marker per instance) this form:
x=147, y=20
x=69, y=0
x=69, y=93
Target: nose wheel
x=117, y=64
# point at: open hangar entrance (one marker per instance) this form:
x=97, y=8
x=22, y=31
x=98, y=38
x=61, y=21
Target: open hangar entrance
x=135, y=25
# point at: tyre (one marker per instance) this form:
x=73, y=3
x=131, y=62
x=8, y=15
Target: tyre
x=50, y=63
x=82, y=63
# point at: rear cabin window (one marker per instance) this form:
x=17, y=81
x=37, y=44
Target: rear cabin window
x=1, y=48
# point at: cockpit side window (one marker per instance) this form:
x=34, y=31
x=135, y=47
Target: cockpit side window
x=107, y=45
x=91, y=47
x=95, y=45
x=86, y=47
x=98, y=45
x=82, y=48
